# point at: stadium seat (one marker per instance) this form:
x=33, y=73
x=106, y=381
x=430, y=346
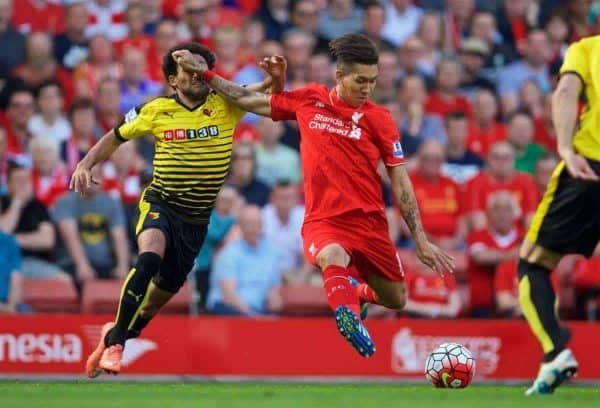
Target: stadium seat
x=102, y=296
x=50, y=295
x=304, y=300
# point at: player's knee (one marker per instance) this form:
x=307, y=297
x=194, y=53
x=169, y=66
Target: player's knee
x=332, y=255
x=148, y=263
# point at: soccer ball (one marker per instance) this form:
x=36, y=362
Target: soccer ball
x=451, y=365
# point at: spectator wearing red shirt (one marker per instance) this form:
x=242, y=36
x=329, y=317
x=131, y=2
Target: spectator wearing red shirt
x=49, y=175
x=431, y=295
x=3, y=161
x=21, y=107
x=512, y=23
x=487, y=248
x=439, y=198
x=121, y=175
x=500, y=174
x=136, y=38
x=40, y=66
x=544, y=168
x=445, y=97
x=545, y=134
x=38, y=15
x=484, y=127
x=99, y=65
x=230, y=57
x=165, y=37
x=108, y=102
x=201, y=17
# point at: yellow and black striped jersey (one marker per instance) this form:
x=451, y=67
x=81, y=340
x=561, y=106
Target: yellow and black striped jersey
x=192, y=150
x=583, y=59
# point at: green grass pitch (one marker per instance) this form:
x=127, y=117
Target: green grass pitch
x=15, y=394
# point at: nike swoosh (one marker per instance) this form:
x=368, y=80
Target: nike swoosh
x=445, y=377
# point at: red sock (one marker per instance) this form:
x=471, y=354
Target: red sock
x=338, y=289
x=367, y=294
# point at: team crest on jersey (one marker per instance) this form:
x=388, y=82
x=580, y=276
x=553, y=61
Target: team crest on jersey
x=207, y=112
x=397, y=149
x=319, y=104
x=131, y=115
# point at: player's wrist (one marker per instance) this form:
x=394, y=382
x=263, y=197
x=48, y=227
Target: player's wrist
x=207, y=76
x=565, y=152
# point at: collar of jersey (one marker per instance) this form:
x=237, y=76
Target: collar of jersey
x=337, y=102
x=176, y=99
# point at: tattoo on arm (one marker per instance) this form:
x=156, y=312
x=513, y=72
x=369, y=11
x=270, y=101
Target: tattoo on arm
x=410, y=211
x=231, y=89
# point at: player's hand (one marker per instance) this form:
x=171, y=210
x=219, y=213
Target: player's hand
x=276, y=66
x=81, y=180
x=435, y=258
x=85, y=272
x=578, y=167
x=188, y=63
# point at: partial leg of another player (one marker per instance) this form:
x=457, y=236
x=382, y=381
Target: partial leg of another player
x=343, y=298
x=108, y=354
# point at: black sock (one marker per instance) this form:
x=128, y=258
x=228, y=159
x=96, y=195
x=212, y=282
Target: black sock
x=537, y=299
x=138, y=325
x=133, y=293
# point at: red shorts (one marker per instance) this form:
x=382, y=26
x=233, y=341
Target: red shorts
x=363, y=235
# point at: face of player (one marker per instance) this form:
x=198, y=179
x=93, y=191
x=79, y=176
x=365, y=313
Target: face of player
x=190, y=85
x=356, y=85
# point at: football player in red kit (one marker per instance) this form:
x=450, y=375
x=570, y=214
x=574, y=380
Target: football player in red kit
x=343, y=138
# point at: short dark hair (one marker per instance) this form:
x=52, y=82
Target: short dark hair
x=455, y=115
x=47, y=84
x=13, y=165
x=354, y=49
x=518, y=112
x=169, y=65
x=81, y=104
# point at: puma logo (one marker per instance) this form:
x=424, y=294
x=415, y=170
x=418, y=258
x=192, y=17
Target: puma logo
x=136, y=297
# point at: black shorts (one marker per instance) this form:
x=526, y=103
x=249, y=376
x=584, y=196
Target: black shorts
x=567, y=220
x=183, y=243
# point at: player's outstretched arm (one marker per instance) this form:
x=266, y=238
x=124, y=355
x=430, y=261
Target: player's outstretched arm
x=428, y=253
x=275, y=67
x=247, y=99
x=81, y=179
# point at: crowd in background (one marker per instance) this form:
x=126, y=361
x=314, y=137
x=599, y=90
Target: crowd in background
x=468, y=82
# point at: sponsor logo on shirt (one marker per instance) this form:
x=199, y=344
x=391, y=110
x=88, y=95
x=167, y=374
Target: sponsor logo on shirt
x=336, y=126
x=319, y=104
x=190, y=134
x=397, y=149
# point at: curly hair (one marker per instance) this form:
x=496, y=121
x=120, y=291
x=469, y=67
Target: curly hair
x=169, y=65
x=354, y=49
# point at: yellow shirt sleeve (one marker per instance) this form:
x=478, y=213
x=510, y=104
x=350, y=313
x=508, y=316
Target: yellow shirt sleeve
x=577, y=61
x=137, y=123
x=236, y=112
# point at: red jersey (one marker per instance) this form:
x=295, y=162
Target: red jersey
x=481, y=277
x=50, y=188
x=439, y=204
x=521, y=185
x=143, y=43
x=436, y=105
x=340, y=148
x=29, y=18
x=127, y=191
x=480, y=140
x=544, y=134
x=430, y=288
x=506, y=278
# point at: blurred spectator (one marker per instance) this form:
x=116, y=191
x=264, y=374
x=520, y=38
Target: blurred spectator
x=98, y=66
x=282, y=220
x=305, y=16
x=107, y=19
x=165, y=37
x=153, y=14
x=484, y=127
x=253, y=36
x=512, y=23
x=545, y=134
x=410, y=54
x=457, y=20
x=534, y=65
x=401, y=20
x=222, y=219
x=251, y=73
x=230, y=57
x=577, y=13
x=24, y=217
x=372, y=25
x=93, y=234
x=136, y=38
x=136, y=88
x=531, y=99
x=245, y=280
x=108, y=102
x=275, y=15
x=506, y=288
x=320, y=70
x=484, y=27
x=39, y=15
x=339, y=18
x=50, y=122
x=430, y=32
x=473, y=53
x=386, y=86
x=445, y=97
x=11, y=281
x=520, y=136
x=21, y=108
x=242, y=175
x=3, y=161
x=544, y=167
x=71, y=47
x=431, y=295
x=121, y=175
x=275, y=161
x=50, y=176
x=559, y=30
x=298, y=46
x=417, y=125
x=12, y=42
x=489, y=247
x=83, y=122
x=461, y=163
x=500, y=174
x=40, y=66
x=439, y=198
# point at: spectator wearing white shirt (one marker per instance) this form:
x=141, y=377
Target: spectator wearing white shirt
x=402, y=20
x=50, y=122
